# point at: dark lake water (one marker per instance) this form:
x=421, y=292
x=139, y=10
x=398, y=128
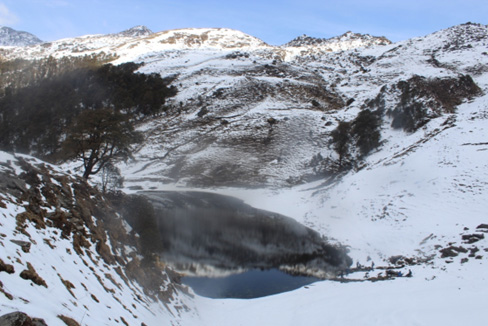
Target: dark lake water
x=217, y=232
x=247, y=285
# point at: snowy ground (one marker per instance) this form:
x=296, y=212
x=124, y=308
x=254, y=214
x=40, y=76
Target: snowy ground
x=446, y=300
x=409, y=200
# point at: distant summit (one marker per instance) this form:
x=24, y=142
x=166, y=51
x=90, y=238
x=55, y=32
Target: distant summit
x=11, y=37
x=136, y=31
x=363, y=40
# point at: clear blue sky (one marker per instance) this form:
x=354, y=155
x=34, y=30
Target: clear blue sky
x=275, y=22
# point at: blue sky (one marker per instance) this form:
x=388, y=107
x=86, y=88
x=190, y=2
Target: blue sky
x=275, y=22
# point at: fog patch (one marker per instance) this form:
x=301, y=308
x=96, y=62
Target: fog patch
x=206, y=234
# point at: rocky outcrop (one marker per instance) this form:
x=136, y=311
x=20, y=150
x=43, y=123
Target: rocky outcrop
x=413, y=102
x=342, y=42
x=136, y=31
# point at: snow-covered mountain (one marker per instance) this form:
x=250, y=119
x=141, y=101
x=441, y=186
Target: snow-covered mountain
x=343, y=42
x=136, y=31
x=11, y=37
x=260, y=117
x=254, y=121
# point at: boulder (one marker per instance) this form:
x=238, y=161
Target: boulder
x=20, y=319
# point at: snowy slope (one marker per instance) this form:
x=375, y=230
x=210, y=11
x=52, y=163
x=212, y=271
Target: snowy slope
x=413, y=204
x=419, y=194
x=70, y=275
x=220, y=133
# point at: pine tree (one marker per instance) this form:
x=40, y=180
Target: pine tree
x=97, y=137
x=341, y=140
x=365, y=129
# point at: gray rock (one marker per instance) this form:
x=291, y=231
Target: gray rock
x=25, y=245
x=20, y=319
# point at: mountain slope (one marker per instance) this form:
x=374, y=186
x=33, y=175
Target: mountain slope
x=247, y=118
x=11, y=37
x=252, y=114
x=422, y=207
x=66, y=254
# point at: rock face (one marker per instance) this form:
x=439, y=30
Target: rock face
x=414, y=102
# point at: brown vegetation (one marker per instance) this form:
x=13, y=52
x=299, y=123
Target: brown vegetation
x=31, y=274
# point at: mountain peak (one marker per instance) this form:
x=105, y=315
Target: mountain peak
x=136, y=31
x=12, y=37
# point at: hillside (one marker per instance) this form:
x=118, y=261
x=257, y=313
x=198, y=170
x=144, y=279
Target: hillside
x=66, y=254
x=248, y=118
x=406, y=189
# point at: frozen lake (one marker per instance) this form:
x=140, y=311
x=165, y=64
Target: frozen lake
x=250, y=284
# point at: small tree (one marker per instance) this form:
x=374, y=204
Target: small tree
x=111, y=178
x=98, y=136
x=341, y=140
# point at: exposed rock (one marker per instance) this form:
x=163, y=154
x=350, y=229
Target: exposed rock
x=472, y=238
x=137, y=31
x=31, y=274
x=482, y=227
x=473, y=251
x=452, y=251
x=25, y=245
x=8, y=295
x=419, y=99
x=342, y=41
x=20, y=319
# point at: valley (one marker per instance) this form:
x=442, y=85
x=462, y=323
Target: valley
x=374, y=150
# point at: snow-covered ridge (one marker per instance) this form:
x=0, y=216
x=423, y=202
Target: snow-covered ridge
x=140, y=40
x=346, y=41
x=11, y=37
x=222, y=38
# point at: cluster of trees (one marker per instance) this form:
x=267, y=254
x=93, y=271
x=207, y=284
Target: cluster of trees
x=88, y=113
x=359, y=136
x=20, y=73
